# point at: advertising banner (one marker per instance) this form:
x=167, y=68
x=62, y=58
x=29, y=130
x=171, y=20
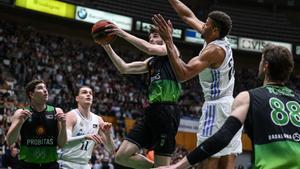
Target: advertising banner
x=257, y=45
x=92, y=16
x=52, y=7
x=145, y=27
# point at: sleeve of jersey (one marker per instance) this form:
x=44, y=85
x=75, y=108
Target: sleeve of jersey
x=75, y=139
x=216, y=142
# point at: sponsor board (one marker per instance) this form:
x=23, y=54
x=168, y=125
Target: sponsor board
x=92, y=16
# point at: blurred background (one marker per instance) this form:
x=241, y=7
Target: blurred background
x=51, y=40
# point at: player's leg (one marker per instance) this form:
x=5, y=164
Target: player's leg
x=128, y=153
x=128, y=156
x=205, y=130
x=227, y=162
x=164, y=130
x=210, y=163
x=162, y=160
x=223, y=162
x=228, y=154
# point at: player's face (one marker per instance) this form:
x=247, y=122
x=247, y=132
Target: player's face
x=85, y=96
x=40, y=93
x=155, y=39
x=208, y=28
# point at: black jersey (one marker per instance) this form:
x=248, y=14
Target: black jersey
x=163, y=86
x=273, y=124
x=39, y=137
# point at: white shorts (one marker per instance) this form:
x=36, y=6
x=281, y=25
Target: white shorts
x=71, y=165
x=214, y=114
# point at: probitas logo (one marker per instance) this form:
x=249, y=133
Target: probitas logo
x=82, y=13
x=40, y=130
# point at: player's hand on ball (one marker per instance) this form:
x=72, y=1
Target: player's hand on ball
x=102, y=32
x=112, y=29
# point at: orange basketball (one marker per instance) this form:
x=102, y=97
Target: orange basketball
x=99, y=34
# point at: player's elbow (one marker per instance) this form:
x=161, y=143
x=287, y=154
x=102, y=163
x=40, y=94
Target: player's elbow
x=182, y=77
x=124, y=71
x=150, y=51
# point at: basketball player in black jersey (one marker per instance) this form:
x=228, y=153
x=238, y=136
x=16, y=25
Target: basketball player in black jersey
x=41, y=128
x=158, y=128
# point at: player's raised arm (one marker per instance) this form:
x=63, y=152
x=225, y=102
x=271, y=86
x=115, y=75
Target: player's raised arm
x=187, y=15
x=137, y=67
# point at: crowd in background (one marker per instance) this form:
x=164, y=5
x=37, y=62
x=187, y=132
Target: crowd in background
x=65, y=64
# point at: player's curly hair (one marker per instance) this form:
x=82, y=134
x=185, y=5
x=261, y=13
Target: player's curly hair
x=222, y=21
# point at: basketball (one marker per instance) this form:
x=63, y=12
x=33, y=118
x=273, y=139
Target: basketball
x=99, y=34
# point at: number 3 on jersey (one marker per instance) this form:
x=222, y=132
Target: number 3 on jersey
x=280, y=116
x=84, y=145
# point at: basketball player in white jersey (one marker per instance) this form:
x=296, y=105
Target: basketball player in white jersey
x=214, y=66
x=84, y=129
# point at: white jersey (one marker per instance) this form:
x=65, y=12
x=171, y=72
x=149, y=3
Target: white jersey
x=217, y=83
x=80, y=152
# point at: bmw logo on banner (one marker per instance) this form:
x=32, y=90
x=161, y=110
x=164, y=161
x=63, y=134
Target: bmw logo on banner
x=82, y=13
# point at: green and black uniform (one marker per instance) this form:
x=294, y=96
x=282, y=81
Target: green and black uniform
x=39, y=140
x=273, y=124
x=158, y=128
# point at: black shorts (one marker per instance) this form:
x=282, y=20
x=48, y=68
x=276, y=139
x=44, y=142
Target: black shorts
x=157, y=129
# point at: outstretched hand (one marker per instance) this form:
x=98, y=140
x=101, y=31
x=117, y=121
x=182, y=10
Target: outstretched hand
x=163, y=27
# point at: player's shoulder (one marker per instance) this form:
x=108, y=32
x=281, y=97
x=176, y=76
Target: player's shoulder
x=212, y=47
x=243, y=95
x=258, y=90
x=211, y=52
x=100, y=119
x=96, y=116
x=71, y=112
x=71, y=115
